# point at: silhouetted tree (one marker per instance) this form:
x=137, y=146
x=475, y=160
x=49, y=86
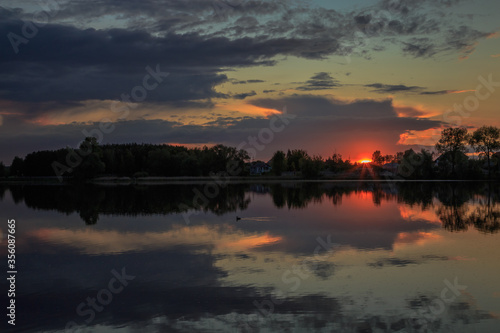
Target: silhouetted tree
x=278, y=163
x=17, y=167
x=398, y=157
x=377, y=157
x=486, y=140
x=311, y=166
x=229, y=159
x=337, y=164
x=38, y=163
x=293, y=159
x=91, y=164
x=453, y=141
x=421, y=162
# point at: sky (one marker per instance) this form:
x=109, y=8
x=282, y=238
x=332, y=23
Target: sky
x=324, y=76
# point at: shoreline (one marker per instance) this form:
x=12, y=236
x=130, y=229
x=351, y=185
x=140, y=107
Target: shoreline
x=111, y=181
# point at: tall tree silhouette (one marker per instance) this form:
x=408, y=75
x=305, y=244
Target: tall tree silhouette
x=278, y=162
x=486, y=140
x=453, y=141
x=17, y=167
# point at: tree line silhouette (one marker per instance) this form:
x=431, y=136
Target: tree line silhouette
x=92, y=159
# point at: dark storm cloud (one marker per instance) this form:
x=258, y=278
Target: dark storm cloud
x=102, y=64
x=438, y=92
x=8, y=14
x=318, y=106
x=67, y=63
x=319, y=81
x=245, y=95
x=186, y=11
x=234, y=81
x=397, y=88
x=391, y=88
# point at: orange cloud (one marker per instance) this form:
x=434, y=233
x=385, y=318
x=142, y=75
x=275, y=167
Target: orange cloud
x=418, y=111
x=424, y=138
x=246, y=109
x=493, y=35
x=460, y=91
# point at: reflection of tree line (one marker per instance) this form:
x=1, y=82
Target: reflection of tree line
x=461, y=205
x=91, y=201
x=482, y=212
x=299, y=195
x=458, y=205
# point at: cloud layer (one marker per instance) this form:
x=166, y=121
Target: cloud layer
x=97, y=51
x=319, y=125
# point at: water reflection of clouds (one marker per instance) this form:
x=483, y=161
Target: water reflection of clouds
x=207, y=275
x=417, y=213
x=101, y=242
x=417, y=238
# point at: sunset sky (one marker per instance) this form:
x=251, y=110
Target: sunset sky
x=353, y=76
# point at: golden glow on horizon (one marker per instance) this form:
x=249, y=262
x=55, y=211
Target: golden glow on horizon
x=365, y=161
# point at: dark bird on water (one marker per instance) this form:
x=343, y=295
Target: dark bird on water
x=238, y=218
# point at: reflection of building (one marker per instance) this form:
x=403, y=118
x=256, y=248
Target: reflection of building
x=259, y=167
x=257, y=188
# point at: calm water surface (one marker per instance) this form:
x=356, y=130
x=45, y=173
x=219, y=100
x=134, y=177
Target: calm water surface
x=303, y=257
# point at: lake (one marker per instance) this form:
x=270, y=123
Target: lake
x=255, y=257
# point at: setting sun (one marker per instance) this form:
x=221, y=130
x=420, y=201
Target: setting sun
x=367, y=160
